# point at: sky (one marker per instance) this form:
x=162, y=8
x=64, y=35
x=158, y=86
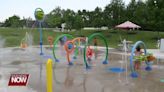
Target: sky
x=26, y=8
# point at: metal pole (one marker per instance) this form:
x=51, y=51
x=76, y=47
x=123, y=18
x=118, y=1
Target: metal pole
x=41, y=40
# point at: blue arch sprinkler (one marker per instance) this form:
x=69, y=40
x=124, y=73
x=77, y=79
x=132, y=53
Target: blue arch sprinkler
x=39, y=16
x=134, y=74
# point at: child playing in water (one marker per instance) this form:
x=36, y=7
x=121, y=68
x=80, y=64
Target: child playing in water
x=89, y=54
x=138, y=52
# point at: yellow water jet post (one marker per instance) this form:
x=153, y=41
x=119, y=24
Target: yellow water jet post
x=49, y=75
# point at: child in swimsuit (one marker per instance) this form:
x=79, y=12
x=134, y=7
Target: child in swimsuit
x=137, y=63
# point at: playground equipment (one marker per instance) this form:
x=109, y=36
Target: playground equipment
x=49, y=75
x=39, y=16
x=70, y=46
x=74, y=45
x=147, y=58
x=24, y=41
x=79, y=42
x=55, y=45
x=88, y=66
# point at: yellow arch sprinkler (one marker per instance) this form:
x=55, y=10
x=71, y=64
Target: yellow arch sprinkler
x=49, y=75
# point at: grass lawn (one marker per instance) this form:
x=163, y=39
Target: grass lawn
x=13, y=36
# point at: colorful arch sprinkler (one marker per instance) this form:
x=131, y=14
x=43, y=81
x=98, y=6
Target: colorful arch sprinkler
x=134, y=74
x=69, y=47
x=77, y=41
x=39, y=16
x=55, y=44
x=87, y=44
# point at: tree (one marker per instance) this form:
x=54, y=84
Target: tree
x=86, y=18
x=1, y=24
x=68, y=18
x=114, y=12
x=7, y=23
x=54, y=18
x=29, y=22
x=78, y=23
x=130, y=10
x=140, y=14
x=13, y=21
x=97, y=20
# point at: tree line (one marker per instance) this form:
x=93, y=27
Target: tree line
x=148, y=14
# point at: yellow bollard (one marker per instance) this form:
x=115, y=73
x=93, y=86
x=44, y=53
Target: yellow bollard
x=49, y=75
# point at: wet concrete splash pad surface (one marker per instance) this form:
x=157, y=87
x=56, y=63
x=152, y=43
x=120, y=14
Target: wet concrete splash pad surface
x=74, y=78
